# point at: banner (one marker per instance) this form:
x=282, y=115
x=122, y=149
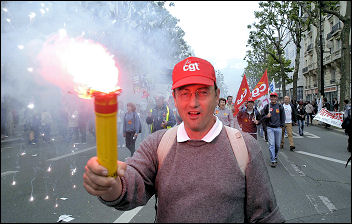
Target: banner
x=262, y=101
x=242, y=94
x=332, y=118
x=261, y=88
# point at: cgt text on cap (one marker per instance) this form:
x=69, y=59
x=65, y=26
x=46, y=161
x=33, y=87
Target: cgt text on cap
x=273, y=94
x=193, y=70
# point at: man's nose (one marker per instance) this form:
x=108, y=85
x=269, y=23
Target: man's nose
x=194, y=102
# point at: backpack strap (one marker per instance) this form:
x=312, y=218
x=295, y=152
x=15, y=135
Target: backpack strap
x=239, y=147
x=165, y=144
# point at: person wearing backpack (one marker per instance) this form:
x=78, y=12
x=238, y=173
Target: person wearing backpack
x=275, y=120
x=131, y=127
x=200, y=171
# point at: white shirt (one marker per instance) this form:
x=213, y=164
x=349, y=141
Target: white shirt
x=182, y=135
x=288, y=113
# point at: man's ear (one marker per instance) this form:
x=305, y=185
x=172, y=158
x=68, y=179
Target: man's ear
x=173, y=94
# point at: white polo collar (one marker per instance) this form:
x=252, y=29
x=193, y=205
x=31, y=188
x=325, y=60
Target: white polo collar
x=182, y=135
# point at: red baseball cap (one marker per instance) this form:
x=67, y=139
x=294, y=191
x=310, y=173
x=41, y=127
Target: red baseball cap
x=193, y=70
x=273, y=94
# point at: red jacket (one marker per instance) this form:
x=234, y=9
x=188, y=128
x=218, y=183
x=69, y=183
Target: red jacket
x=247, y=122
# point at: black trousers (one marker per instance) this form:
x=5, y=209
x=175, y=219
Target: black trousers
x=130, y=142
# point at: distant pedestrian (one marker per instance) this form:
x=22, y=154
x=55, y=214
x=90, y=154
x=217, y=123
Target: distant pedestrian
x=131, y=127
x=249, y=119
x=290, y=118
x=46, y=123
x=346, y=124
x=335, y=105
x=73, y=132
x=230, y=104
x=326, y=105
x=309, y=110
x=301, y=115
x=224, y=114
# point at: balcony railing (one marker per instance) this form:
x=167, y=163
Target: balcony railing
x=334, y=30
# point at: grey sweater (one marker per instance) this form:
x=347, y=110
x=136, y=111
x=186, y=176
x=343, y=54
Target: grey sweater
x=199, y=182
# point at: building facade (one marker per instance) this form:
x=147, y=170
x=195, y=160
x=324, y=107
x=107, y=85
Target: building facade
x=331, y=28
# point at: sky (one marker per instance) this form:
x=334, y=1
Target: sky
x=217, y=32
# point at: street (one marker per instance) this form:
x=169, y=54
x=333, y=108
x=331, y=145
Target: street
x=40, y=183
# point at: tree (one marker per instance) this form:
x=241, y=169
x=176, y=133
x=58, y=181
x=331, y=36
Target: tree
x=220, y=82
x=271, y=31
x=297, y=25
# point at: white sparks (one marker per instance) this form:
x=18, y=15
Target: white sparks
x=73, y=171
x=42, y=4
x=30, y=106
x=13, y=183
x=83, y=33
x=53, y=139
x=20, y=47
x=31, y=198
x=23, y=153
x=31, y=15
x=46, y=197
x=42, y=11
x=30, y=69
x=74, y=186
x=4, y=9
x=56, y=205
x=8, y=20
x=49, y=169
x=43, y=134
x=114, y=21
x=47, y=9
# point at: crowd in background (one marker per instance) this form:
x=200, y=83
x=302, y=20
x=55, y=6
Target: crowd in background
x=74, y=120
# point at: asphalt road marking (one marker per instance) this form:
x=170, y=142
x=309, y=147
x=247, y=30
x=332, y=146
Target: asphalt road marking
x=305, y=134
x=8, y=172
x=128, y=215
x=71, y=154
x=328, y=203
x=323, y=157
x=321, y=205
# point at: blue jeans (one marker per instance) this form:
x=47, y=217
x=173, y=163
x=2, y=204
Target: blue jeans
x=274, y=139
x=300, y=126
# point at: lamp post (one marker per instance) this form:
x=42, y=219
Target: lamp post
x=321, y=53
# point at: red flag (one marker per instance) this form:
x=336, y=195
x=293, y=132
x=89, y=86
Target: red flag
x=242, y=95
x=261, y=88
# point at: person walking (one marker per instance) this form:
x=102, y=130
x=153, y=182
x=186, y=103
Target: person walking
x=195, y=170
x=301, y=115
x=46, y=123
x=326, y=105
x=275, y=120
x=290, y=118
x=161, y=117
x=347, y=123
x=309, y=110
x=249, y=119
x=224, y=114
x=131, y=127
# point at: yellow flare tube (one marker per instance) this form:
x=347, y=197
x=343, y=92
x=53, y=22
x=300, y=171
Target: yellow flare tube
x=106, y=133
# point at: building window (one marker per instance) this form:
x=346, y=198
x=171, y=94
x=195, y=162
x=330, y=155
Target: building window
x=300, y=92
x=333, y=75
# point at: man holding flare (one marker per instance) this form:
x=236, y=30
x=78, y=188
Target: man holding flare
x=200, y=171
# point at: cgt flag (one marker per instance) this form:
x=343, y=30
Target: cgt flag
x=242, y=95
x=261, y=88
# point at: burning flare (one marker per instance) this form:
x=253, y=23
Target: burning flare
x=79, y=64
